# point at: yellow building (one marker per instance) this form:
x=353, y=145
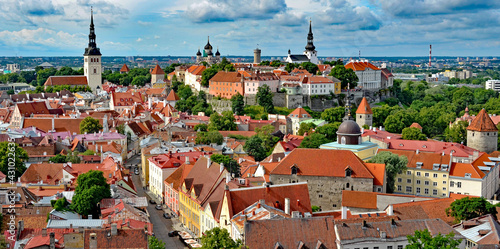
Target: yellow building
x=145, y=155
x=202, y=187
x=427, y=174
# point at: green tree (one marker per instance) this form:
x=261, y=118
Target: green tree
x=310, y=67
x=468, y=208
x=209, y=137
x=394, y=165
x=254, y=148
x=91, y=189
x=329, y=130
x=314, y=141
x=345, y=76
x=89, y=125
x=265, y=98
x=268, y=140
x=139, y=80
x=290, y=66
x=60, y=204
x=224, y=122
x=238, y=104
x=155, y=243
x=380, y=114
x=58, y=159
x=200, y=127
x=264, y=63
x=306, y=127
x=275, y=63
x=424, y=240
x=44, y=74
x=121, y=129
x=217, y=238
x=230, y=164
x=412, y=133
x=334, y=114
x=396, y=122
x=207, y=75
x=10, y=150
x=457, y=133
x=88, y=153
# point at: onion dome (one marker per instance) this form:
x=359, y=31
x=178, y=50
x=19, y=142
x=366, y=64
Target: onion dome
x=199, y=53
x=208, y=46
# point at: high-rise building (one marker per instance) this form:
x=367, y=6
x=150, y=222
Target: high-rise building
x=92, y=67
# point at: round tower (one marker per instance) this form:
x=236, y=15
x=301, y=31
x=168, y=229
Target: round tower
x=482, y=134
x=364, y=114
x=256, y=56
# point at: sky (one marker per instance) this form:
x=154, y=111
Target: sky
x=341, y=28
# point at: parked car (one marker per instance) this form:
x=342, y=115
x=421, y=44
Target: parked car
x=158, y=207
x=152, y=201
x=136, y=171
x=166, y=216
x=173, y=233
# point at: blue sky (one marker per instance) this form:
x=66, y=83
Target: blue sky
x=171, y=27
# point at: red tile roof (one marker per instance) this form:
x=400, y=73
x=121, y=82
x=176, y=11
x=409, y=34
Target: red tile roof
x=126, y=98
x=223, y=76
x=378, y=171
x=66, y=80
x=274, y=196
x=172, y=96
x=124, y=69
x=364, y=107
x=318, y=162
x=26, y=109
x=299, y=112
x=360, y=66
x=126, y=238
x=47, y=172
x=482, y=122
x=416, y=125
x=178, y=176
x=60, y=124
x=359, y=199
x=157, y=70
x=196, y=70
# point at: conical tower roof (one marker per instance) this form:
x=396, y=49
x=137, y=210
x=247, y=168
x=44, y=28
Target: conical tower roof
x=482, y=122
x=364, y=107
x=157, y=70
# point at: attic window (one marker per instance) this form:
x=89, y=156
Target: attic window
x=419, y=164
x=294, y=170
x=348, y=172
x=424, y=146
x=468, y=175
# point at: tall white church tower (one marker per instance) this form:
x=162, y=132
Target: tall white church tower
x=92, y=67
x=310, y=51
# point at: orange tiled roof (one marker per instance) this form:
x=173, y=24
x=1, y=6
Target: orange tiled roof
x=359, y=199
x=66, y=80
x=318, y=162
x=196, y=70
x=416, y=125
x=223, y=76
x=360, y=66
x=124, y=69
x=157, y=70
x=378, y=171
x=27, y=109
x=172, y=96
x=482, y=122
x=126, y=99
x=299, y=112
x=364, y=107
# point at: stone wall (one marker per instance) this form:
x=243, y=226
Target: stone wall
x=221, y=105
x=294, y=101
x=279, y=99
x=482, y=141
x=326, y=192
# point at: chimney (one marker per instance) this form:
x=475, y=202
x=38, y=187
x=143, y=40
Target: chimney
x=228, y=177
x=209, y=161
x=287, y=206
x=187, y=159
x=383, y=235
x=53, y=129
x=114, y=229
x=109, y=219
x=344, y=213
x=390, y=210
x=90, y=217
x=93, y=241
x=417, y=151
x=44, y=232
x=221, y=167
x=52, y=241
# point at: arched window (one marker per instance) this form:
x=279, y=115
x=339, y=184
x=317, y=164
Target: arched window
x=95, y=71
x=342, y=140
x=348, y=172
x=347, y=185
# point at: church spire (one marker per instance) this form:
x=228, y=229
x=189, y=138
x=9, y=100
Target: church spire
x=92, y=48
x=310, y=46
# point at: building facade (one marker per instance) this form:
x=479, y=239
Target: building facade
x=369, y=76
x=92, y=65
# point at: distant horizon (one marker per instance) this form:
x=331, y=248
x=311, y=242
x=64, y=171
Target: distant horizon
x=263, y=56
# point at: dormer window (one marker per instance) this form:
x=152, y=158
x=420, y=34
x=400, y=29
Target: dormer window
x=348, y=172
x=294, y=170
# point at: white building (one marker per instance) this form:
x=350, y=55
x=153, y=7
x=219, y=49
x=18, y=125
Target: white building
x=161, y=167
x=319, y=85
x=479, y=178
x=309, y=55
x=192, y=76
x=493, y=85
x=369, y=76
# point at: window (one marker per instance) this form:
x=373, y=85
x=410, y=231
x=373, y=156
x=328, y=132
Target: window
x=400, y=246
x=408, y=189
x=418, y=190
x=400, y=188
x=418, y=173
x=435, y=175
x=348, y=172
x=320, y=196
x=434, y=191
x=95, y=71
x=444, y=175
x=444, y=189
x=426, y=183
x=459, y=184
x=418, y=181
x=408, y=180
x=347, y=185
x=389, y=247
x=434, y=184
x=400, y=180
x=426, y=174
x=426, y=191
x=408, y=172
x=452, y=184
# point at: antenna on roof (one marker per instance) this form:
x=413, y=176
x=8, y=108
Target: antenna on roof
x=359, y=55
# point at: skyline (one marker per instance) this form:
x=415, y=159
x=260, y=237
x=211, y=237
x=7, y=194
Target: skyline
x=178, y=28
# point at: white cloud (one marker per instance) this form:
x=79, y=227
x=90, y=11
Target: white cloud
x=138, y=39
x=42, y=36
x=144, y=23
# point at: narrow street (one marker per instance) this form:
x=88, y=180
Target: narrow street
x=161, y=226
